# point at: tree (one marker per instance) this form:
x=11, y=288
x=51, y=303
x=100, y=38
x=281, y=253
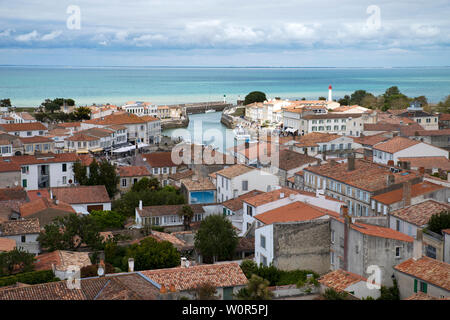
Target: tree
x=439, y=222
x=146, y=184
x=70, y=232
x=62, y=101
x=216, y=238
x=444, y=106
x=50, y=105
x=249, y=267
x=5, y=103
x=257, y=289
x=255, y=96
x=205, y=291
x=369, y=101
x=80, y=173
x=322, y=98
x=187, y=213
x=109, y=177
x=16, y=261
x=345, y=101
x=331, y=294
x=99, y=174
x=358, y=96
x=151, y=254
x=82, y=113
x=108, y=219
x=391, y=293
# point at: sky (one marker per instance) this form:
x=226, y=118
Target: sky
x=286, y=33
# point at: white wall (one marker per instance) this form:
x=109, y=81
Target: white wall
x=266, y=231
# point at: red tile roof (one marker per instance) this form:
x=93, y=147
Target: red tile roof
x=270, y=196
x=120, y=119
x=289, y=160
x=428, y=162
x=7, y=244
x=340, y=280
x=417, y=190
x=41, y=159
x=18, y=227
x=42, y=204
x=133, y=171
x=312, y=139
x=35, y=139
x=419, y=214
x=237, y=203
x=427, y=269
x=220, y=275
x=81, y=194
x=377, y=231
x=296, y=211
x=17, y=193
x=32, y=126
x=396, y=144
x=61, y=260
x=235, y=171
x=423, y=296
x=159, y=159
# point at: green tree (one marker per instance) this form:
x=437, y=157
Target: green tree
x=5, y=103
x=391, y=293
x=146, y=184
x=206, y=291
x=50, y=106
x=151, y=254
x=61, y=101
x=70, y=232
x=255, y=96
x=439, y=222
x=444, y=106
x=216, y=238
x=16, y=261
x=369, y=101
x=109, y=177
x=345, y=101
x=257, y=289
x=82, y=113
x=94, y=178
x=331, y=294
x=322, y=98
x=80, y=173
x=187, y=213
x=108, y=219
x=358, y=96
x=249, y=267
x=99, y=174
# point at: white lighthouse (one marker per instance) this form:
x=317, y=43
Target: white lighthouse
x=330, y=89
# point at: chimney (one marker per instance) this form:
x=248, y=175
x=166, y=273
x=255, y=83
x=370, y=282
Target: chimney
x=183, y=262
x=351, y=163
x=140, y=204
x=390, y=163
x=172, y=288
x=163, y=289
x=292, y=197
x=130, y=265
x=390, y=179
x=101, y=269
x=417, y=245
x=407, y=193
x=344, y=211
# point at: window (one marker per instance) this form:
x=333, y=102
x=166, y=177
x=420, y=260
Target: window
x=23, y=238
x=41, y=133
x=24, y=183
x=64, y=167
x=29, y=133
x=423, y=287
x=165, y=170
x=263, y=241
x=245, y=185
x=430, y=251
x=397, y=252
x=332, y=236
x=25, y=169
x=397, y=225
x=332, y=258
x=249, y=211
x=64, y=180
x=264, y=260
x=124, y=182
x=224, y=211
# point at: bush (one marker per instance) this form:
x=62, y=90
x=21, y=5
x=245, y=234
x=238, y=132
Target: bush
x=91, y=271
x=391, y=293
x=34, y=277
x=331, y=294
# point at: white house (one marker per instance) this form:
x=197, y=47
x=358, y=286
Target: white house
x=83, y=199
x=141, y=108
x=238, y=179
x=399, y=147
x=24, y=232
x=25, y=129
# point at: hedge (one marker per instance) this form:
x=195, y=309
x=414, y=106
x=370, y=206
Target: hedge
x=34, y=277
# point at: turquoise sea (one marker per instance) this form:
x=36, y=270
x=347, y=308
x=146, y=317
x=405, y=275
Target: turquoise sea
x=29, y=86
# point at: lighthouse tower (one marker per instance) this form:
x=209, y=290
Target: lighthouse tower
x=330, y=89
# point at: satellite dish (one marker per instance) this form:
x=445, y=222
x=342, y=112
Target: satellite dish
x=100, y=271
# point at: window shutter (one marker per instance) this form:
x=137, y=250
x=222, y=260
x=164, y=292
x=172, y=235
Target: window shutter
x=424, y=287
x=415, y=285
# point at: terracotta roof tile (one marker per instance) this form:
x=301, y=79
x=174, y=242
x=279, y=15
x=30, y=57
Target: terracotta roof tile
x=312, y=139
x=81, y=194
x=18, y=227
x=427, y=269
x=428, y=162
x=367, y=175
x=296, y=211
x=340, y=280
x=417, y=190
x=395, y=144
x=220, y=275
x=13, y=194
x=423, y=296
x=419, y=214
x=159, y=159
x=289, y=160
x=39, y=205
x=235, y=171
x=238, y=203
x=7, y=244
x=133, y=171
x=120, y=119
x=181, y=175
x=32, y=126
x=35, y=139
x=197, y=184
x=61, y=260
x=270, y=196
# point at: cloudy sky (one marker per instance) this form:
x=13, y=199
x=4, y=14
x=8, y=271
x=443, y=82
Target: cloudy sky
x=308, y=33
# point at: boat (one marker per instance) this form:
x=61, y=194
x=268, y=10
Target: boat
x=210, y=110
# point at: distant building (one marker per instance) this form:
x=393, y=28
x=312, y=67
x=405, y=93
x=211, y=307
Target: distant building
x=24, y=232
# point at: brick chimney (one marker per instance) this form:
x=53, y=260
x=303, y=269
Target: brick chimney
x=407, y=193
x=390, y=180
x=351, y=163
x=417, y=245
